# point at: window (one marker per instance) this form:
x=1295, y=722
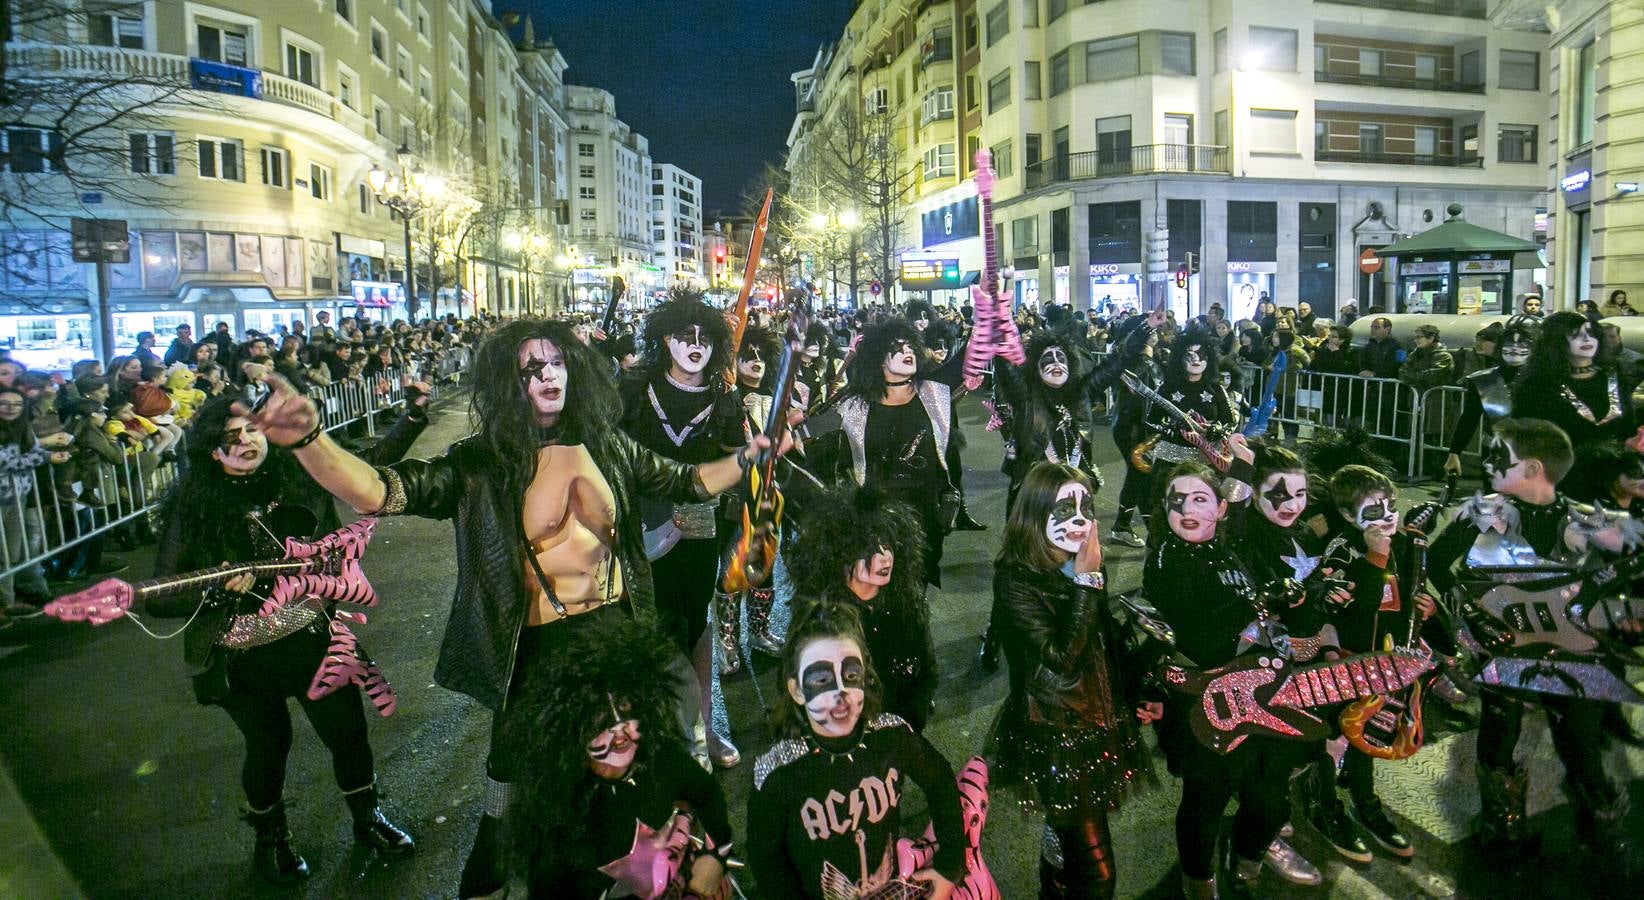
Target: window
x=1252, y=230
x=380, y=117
x=379, y=43
x=999, y=92
x=319, y=181
x=29, y=151
x=1114, y=58
x=1024, y=236
x=585, y=171
x=1032, y=145
x=939, y=161
x=1060, y=73
x=408, y=135
x=877, y=101
x=1030, y=80
x=1321, y=136
x=122, y=28
x=152, y=153
x=586, y=192
x=1178, y=129
x=221, y=159
x=971, y=100
x=1520, y=70
x=938, y=104
x=1427, y=141
x=402, y=66
x=299, y=65
x=998, y=22
x=458, y=56
x=1218, y=50
x=1427, y=68
x=424, y=26
x=345, y=86
x=1272, y=49
x=1370, y=138
x=585, y=150
x=1113, y=143
x=425, y=86
x=1219, y=125
x=1175, y=53
x=1586, y=99
x=970, y=31
x=1004, y=161
x=276, y=166
x=1030, y=13
x=1516, y=143
x=365, y=200
x=1369, y=62
x=1055, y=9
x=345, y=10
x=1273, y=130
x=221, y=43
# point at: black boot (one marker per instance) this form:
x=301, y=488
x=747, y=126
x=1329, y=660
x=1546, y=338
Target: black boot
x=1372, y=817
x=371, y=827
x=1051, y=886
x=481, y=873
x=1328, y=814
x=1501, y=826
x=1600, y=824
x=964, y=521
x=989, y=655
x=272, y=858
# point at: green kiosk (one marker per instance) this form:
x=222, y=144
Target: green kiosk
x=1456, y=268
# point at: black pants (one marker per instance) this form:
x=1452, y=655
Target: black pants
x=1088, y=871
x=1577, y=727
x=1359, y=772
x=685, y=578
x=1258, y=774
x=261, y=680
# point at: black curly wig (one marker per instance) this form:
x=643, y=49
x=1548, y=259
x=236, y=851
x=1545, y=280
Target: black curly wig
x=625, y=665
x=1209, y=348
x=769, y=345
x=921, y=307
x=850, y=523
x=866, y=376
x=1549, y=365
x=1044, y=339
x=683, y=309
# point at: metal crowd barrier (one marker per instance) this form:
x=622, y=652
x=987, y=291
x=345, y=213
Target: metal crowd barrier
x=52, y=515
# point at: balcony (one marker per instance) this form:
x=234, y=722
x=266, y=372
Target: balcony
x=935, y=50
x=1145, y=159
x=1413, y=84
x=1398, y=159
x=1467, y=9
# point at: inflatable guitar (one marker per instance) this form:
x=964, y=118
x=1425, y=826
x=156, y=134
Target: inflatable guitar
x=659, y=865
x=996, y=333
x=1264, y=409
x=326, y=569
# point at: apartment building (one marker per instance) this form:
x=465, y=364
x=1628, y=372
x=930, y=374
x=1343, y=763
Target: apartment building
x=245, y=183
x=1275, y=142
x=610, y=168
x=676, y=224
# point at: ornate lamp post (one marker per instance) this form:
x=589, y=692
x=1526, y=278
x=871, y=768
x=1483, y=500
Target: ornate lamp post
x=409, y=194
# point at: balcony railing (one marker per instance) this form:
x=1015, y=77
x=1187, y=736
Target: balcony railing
x=936, y=50
x=1146, y=159
x=1413, y=84
x=1469, y=9
x=1398, y=159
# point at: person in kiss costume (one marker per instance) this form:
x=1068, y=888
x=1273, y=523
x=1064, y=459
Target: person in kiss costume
x=862, y=549
x=756, y=364
x=1490, y=390
x=1066, y=728
x=1569, y=383
x=1530, y=524
x=897, y=424
x=825, y=811
x=679, y=407
x=238, y=500
x=606, y=753
x=816, y=366
x=549, y=537
x=1211, y=599
x=1190, y=383
x=1130, y=429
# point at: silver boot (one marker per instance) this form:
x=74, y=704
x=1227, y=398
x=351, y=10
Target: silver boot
x=727, y=624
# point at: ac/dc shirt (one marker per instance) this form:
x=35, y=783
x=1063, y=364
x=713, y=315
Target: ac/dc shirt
x=821, y=805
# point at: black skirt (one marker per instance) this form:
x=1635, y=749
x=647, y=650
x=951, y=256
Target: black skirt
x=1067, y=773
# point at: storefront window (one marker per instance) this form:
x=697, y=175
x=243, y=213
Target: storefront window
x=47, y=343
x=1422, y=293
x=1110, y=294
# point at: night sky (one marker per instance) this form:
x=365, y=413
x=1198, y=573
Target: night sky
x=706, y=83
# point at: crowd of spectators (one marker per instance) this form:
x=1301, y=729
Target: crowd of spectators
x=81, y=448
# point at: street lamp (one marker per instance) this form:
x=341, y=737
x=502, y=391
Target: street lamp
x=833, y=224
x=409, y=195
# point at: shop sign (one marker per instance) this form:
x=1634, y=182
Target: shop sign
x=1238, y=265
x=930, y=269
x=1104, y=268
x=222, y=78
x=1576, y=181
x=1483, y=266
x=953, y=222
x=1425, y=268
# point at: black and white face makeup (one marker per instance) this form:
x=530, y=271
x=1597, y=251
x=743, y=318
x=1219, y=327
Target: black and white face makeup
x=1193, y=360
x=243, y=447
x=1583, y=345
x=813, y=352
x=875, y=570
x=1283, y=497
x=1053, y=367
x=1505, y=469
x=689, y=349
x=1376, y=513
x=939, y=351
x=1515, y=352
x=832, y=685
x=750, y=365
x=1071, y=518
x=1193, y=508
x=900, y=362
x=921, y=323
x=611, y=752
x=544, y=376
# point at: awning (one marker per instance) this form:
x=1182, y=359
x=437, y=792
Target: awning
x=1457, y=236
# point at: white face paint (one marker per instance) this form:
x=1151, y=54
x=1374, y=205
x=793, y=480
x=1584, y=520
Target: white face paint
x=611, y=752
x=900, y=362
x=1283, y=497
x=1583, y=344
x=813, y=352
x=921, y=323
x=544, y=376
x=832, y=685
x=875, y=571
x=750, y=366
x=690, y=350
x=243, y=447
x=1376, y=513
x=1505, y=468
x=1193, y=508
x=1515, y=353
x=1193, y=360
x=1071, y=518
x=1053, y=369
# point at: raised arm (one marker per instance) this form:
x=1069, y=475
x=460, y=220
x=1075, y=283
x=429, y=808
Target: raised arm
x=288, y=419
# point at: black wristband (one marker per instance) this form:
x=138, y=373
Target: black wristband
x=309, y=438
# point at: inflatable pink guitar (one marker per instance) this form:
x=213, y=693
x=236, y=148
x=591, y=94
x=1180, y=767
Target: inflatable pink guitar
x=996, y=333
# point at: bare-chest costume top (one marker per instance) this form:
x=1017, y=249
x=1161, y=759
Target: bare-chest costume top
x=570, y=524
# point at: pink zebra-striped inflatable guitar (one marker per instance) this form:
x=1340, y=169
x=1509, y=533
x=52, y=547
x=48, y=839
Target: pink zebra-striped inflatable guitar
x=995, y=333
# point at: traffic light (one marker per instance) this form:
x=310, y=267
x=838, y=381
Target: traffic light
x=719, y=255
x=1181, y=277
x=1190, y=262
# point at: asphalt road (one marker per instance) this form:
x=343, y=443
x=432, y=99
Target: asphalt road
x=136, y=786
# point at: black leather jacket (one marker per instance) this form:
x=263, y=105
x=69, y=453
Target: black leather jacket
x=490, y=606
x=1033, y=405
x=1062, y=646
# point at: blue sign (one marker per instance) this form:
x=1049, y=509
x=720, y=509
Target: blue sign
x=222, y=78
x=954, y=222
x=91, y=198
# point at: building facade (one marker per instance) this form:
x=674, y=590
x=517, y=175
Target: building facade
x=610, y=168
x=238, y=141
x=676, y=224
x=1276, y=143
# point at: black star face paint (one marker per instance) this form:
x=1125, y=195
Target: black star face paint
x=611, y=752
x=243, y=447
x=900, y=363
x=543, y=375
x=1515, y=353
x=750, y=365
x=1193, y=360
x=1070, y=519
x=832, y=686
x=1283, y=497
x=1376, y=513
x=1193, y=508
x=1505, y=469
x=1053, y=368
